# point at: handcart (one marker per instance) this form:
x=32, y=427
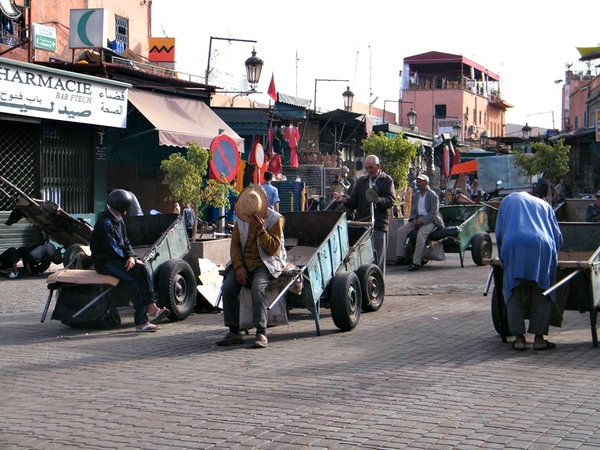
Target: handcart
x=335, y=260
x=577, y=286
x=466, y=227
x=86, y=299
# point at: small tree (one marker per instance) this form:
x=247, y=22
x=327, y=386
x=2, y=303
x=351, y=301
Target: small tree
x=395, y=154
x=185, y=178
x=550, y=160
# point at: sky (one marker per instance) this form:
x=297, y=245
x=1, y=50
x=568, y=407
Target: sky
x=528, y=43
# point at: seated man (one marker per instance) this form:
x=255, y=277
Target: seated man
x=592, y=213
x=424, y=215
x=113, y=255
x=257, y=256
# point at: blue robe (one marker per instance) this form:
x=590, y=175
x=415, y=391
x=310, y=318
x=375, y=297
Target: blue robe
x=528, y=238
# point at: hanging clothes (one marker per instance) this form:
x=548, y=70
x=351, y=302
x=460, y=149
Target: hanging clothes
x=292, y=136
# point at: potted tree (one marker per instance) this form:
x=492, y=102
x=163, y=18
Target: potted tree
x=185, y=176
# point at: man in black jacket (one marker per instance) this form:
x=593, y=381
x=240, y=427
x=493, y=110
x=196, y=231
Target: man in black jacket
x=373, y=196
x=113, y=255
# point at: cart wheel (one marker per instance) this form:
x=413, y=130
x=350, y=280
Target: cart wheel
x=481, y=248
x=345, y=300
x=498, y=307
x=177, y=288
x=71, y=254
x=372, y=287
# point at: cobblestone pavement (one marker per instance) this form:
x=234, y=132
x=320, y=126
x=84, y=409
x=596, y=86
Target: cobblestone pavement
x=426, y=371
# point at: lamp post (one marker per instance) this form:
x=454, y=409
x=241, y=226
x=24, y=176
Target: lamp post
x=254, y=67
x=526, y=130
x=457, y=129
x=483, y=138
x=411, y=116
x=330, y=79
x=348, y=99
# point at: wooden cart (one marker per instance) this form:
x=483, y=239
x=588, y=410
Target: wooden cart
x=577, y=286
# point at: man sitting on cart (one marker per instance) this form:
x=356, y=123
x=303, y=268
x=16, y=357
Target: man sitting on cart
x=257, y=256
x=528, y=239
x=424, y=215
x=113, y=255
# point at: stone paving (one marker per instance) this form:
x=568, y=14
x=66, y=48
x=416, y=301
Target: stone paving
x=426, y=371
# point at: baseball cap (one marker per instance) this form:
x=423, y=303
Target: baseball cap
x=598, y=194
x=423, y=177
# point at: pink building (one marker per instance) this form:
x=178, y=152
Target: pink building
x=446, y=89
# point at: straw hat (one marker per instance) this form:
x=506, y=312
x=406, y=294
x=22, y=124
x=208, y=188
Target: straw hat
x=252, y=200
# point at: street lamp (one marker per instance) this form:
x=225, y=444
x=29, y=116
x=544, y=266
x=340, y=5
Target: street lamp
x=457, y=129
x=411, y=116
x=348, y=99
x=254, y=66
x=483, y=137
x=526, y=130
x=329, y=79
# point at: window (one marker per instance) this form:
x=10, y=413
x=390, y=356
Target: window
x=440, y=110
x=122, y=30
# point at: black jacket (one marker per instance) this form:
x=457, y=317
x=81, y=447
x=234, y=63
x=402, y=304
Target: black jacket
x=109, y=239
x=387, y=197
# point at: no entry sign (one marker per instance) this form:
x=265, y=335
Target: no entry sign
x=225, y=157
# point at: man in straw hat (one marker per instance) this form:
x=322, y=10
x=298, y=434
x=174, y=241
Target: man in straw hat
x=373, y=196
x=257, y=256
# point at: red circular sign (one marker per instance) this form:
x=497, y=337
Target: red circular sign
x=259, y=155
x=225, y=157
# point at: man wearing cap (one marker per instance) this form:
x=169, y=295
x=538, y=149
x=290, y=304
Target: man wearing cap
x=424, y=215
x=373, y=196
x=257, y=256
x=592, y=213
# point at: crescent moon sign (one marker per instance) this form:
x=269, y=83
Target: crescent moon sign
x=82, y=28
x=9, y=9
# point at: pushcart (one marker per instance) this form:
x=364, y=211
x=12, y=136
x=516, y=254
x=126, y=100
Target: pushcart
x=577, y=286
x=466, y=227
x=334, y=258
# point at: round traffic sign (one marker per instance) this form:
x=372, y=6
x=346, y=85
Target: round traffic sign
x=259, y=155
x=225, y=158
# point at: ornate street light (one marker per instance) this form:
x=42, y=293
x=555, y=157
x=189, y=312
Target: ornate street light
x=526, y=130
x=483, y=137
x=348, y=99
x=254, y=66
x=412, y=118
x=457, y=129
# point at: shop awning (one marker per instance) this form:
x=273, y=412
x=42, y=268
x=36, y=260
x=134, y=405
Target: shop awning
x=181, y=120
x=464, y=168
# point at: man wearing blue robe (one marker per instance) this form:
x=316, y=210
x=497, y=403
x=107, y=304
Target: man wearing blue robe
x=528, y=238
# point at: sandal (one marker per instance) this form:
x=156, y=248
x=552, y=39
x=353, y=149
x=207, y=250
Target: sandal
x=160, y=314
x=547, y=346
x=148, y=328
x=519, y=349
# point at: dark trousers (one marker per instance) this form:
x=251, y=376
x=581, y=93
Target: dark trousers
x=137, y=281
x=260, y=278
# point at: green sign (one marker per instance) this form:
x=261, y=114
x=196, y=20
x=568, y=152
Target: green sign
x=44, y=38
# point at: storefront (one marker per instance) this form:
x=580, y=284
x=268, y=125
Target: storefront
x=53, y=125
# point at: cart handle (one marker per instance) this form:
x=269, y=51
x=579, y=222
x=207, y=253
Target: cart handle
x=565, y=280
x=488, y=282
x=284, y=290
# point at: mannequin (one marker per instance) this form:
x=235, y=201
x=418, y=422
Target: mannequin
x=292, y=136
